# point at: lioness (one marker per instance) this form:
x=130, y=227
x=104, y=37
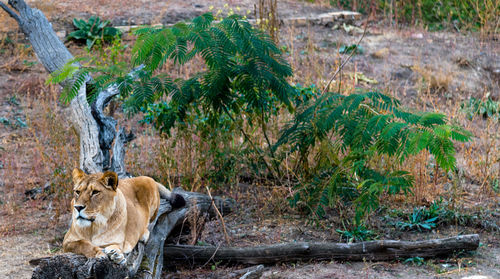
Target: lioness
x=110, y=216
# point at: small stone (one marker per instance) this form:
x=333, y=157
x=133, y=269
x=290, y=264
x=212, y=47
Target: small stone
x=417, y=36
x=61, y=34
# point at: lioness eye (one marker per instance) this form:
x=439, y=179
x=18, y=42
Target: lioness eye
x=95, y=192
x=77, y=192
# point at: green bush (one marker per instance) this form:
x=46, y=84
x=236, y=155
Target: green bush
x=417, y=261
x=93, y=31
x=356, y=142
x=419, y=220
x=428, y=217
x=486, y=109
x=357, y=234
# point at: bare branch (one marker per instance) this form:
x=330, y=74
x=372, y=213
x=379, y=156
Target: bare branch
x=10, y=12
x=347, y=60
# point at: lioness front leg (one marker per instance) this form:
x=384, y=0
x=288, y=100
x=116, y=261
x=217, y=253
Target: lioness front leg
x=115, y=254
x=85, y=248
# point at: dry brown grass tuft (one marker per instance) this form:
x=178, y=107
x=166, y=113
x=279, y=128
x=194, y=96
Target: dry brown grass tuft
x=436, y=81
x=7, y=23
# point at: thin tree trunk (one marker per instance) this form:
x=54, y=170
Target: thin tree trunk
x=91, y=158
x=97, y=131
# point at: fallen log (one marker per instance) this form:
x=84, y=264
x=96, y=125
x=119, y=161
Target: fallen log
x=380, y=250
x=146, y=260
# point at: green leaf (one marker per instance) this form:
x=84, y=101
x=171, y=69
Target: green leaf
x=78, y=35
x=78, y=23
x=90, y=42
x=103, y=24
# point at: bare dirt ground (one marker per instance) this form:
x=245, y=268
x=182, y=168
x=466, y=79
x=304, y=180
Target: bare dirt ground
x=427, y=71
x=16, y=251
x=61, y=13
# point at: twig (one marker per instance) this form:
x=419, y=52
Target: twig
x=252, y=144
x=249, y=272
x=10, y=12
x=271, y=151
x=180, y=232
x=226, y=236
x=347, y=60
x=213, y=255
x=255, y=272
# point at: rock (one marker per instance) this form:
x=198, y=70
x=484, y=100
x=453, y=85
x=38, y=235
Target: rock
x=61, y=34
x=417, y=36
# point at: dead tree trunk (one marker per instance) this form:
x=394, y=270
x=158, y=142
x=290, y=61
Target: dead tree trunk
x=98, y=132
x=381, y=250
x=146, y=260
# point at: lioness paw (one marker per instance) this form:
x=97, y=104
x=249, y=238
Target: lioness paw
x=115, y=255
x=100, y=254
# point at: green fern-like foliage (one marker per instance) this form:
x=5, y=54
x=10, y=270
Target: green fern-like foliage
x=350, y=131
x=82, y=71
x=244, y=68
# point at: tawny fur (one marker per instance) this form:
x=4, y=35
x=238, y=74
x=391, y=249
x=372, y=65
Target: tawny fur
x=117, y=213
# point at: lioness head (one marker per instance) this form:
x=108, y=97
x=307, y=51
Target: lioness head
x=94, y=197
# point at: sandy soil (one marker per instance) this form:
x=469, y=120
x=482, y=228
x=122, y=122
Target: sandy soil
x=16, y=251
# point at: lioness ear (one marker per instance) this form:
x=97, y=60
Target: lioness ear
x=78, y=175
x=110, y=179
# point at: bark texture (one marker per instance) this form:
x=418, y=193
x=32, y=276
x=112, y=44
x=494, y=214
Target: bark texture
x=97, y=131
x=76, y=266
x=381, y=250
x=91, y=156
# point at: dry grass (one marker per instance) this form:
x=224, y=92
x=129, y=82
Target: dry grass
x=36, y=156
x=434, y=81
x=7, y=24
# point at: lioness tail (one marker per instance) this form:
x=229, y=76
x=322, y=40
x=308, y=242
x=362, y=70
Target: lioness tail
x=175, y=200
